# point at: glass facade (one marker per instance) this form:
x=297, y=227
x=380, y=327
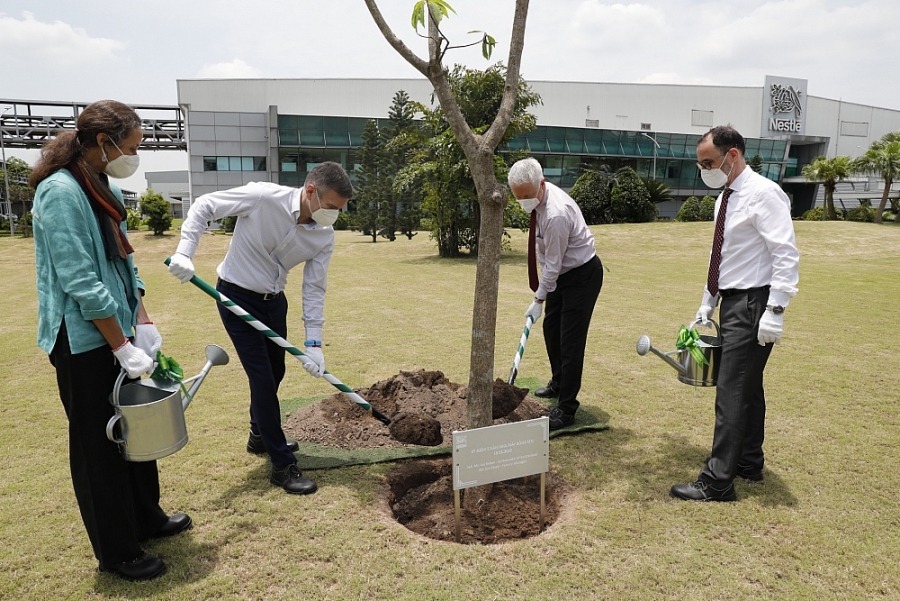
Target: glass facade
x=564, y=152
x=234, y=163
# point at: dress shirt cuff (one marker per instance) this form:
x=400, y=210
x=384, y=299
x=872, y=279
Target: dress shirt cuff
x=314, y=333
x=186, y=248
x=779, y=297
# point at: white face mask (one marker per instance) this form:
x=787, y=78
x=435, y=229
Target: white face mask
x=324, y=217
x=122, y=166
x=716, y=178
x=528, y=204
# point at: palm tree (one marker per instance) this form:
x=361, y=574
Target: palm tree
x=882, y=159
x=829, y=172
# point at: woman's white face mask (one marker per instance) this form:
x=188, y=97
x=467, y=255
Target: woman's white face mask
x=123, y=165
x=324, y=217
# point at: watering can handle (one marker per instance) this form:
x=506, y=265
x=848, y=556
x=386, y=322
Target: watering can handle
x=109, y=429
x=712, y=321
x=114, y=398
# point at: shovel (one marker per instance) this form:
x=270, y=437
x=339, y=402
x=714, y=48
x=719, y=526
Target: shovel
x=293, y=350
x=521, y=350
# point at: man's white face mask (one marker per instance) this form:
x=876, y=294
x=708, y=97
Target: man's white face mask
x=324, y=217
x=716, y=178
x=530, y=204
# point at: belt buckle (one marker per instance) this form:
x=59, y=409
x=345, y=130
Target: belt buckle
x=270, y=296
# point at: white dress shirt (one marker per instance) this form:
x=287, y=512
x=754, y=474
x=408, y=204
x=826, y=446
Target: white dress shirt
x=563, y=239
x=268, y=242
x=759, y=247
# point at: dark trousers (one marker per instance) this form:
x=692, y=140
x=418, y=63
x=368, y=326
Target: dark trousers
x=263, y=362
x=118, y=499
x=740, y=399
x=567, y=317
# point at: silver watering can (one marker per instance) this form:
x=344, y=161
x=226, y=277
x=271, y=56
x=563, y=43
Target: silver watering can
x=150, y=413
x=690, y=371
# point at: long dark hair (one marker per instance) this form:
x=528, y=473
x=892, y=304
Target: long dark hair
x=113, y=118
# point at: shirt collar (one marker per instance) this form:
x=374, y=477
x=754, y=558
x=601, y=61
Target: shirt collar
x=739, y=181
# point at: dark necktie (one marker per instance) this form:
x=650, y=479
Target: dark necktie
x=532, y=259
x=715, y=259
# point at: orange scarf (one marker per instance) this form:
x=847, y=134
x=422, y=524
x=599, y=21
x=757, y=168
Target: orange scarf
x=109, y=210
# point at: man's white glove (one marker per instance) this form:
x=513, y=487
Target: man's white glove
x=770, y=328
x=534, y=310
x=181, y=267
x=147, y=338
x=703, y=316
x=316, y=361
x=133, y=360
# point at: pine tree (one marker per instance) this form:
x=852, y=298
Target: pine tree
x=373, y=192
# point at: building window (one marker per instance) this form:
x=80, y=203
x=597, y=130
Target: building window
x=855, y=128
x=645, y=126
x=701, y=118
x=234, y=163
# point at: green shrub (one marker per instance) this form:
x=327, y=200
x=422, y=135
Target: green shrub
x=158, y=211
x=889, y=216
x=690, y=210
x=228, y=223
x=343, y=221
x=861, y=213
x=133, y=219
x=813, y=214
x=707, y=208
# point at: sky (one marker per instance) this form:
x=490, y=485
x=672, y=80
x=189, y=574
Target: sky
x=135, y=50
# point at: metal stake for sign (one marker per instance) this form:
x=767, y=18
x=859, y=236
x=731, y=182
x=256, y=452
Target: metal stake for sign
x=456, y=499
x=543, y=488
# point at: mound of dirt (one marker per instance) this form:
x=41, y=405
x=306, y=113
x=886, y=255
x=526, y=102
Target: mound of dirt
x=420, y=400
x=421, y=498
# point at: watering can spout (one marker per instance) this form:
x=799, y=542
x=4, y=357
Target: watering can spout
x=215, y=355
x=644, y=346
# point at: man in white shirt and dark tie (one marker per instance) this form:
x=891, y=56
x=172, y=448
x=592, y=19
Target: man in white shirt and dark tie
x=754, y=271
x=278, y=227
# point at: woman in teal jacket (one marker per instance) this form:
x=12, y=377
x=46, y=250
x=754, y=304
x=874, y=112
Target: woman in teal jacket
x=92, y=323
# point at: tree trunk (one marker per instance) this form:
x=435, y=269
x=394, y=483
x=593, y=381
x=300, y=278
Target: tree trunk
x=884, y=197
x=829, y=200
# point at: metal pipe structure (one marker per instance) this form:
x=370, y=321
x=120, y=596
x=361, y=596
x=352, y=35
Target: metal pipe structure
x=6, y=175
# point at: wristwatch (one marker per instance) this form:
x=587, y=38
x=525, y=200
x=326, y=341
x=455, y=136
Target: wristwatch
x=776, y=309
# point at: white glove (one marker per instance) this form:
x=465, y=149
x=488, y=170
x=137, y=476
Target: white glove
x=770, y=328
x=147, y=338
x=181, y=267
x=703, y=316
x=534, y=309
x=316, y=364
x=133, y=360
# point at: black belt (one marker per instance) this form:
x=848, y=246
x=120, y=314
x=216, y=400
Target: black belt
x=734, y=291
x=236, y=288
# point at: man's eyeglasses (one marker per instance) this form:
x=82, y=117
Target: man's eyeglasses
x=707, y=164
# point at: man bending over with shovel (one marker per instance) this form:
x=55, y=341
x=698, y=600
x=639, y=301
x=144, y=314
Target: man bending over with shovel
x=278, y=227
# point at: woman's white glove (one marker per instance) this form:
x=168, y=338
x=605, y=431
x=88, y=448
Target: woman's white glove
x=703, y=316
x=534, y=310
x=316, y=363
x=147, y=338
x=181, y=267
x=770, y=328
x=133, y=360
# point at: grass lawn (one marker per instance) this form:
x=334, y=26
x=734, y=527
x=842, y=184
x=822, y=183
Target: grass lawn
x=824, y=525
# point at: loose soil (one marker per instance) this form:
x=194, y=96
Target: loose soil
x=425, y=408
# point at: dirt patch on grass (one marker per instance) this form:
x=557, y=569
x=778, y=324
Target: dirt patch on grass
x=426, y=406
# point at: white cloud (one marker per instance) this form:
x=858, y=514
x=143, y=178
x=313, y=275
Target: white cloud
x=597, y=25
x=58, y=43
x=236, y=69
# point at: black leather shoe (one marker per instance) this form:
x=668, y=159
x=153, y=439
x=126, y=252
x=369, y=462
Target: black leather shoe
x=702, y=491
x=751, y=473
x=550, y=391
x=177, y=523
x=292, y=480
x=559, y=419
x=255, y=444
x=145, y=567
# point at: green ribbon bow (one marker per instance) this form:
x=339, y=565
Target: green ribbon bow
x=167, y=368
x=687, y=339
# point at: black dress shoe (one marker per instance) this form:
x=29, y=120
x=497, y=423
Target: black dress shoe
x=703, y=491
x=177, y=523
x=550, y=391
x=145, y=567
x=292, y=480
x=751, y=473
x=560, y=419
x=255, y=444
